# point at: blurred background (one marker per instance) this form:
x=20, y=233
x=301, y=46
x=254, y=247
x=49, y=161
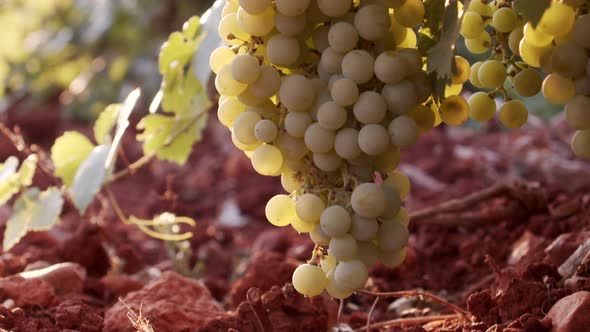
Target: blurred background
x=84, y=54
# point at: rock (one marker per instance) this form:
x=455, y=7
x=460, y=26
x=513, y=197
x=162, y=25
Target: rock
x=66, y=278
x=527, y=249
x=564, y=246
x=86, y=248
x=570, y=314
x=78, y=316
x=266, y=269
x=171, y=303
x=116, y=286
x=26, y=292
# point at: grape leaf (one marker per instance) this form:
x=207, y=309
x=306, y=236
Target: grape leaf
x=33, y=211
x=532, y=10
x=175, y=53
x=27, y=170
x=12, y=181
x=68, y=152
x=191, y=28
x=89, y=177
x=169, y=138
x=105, y=123
x=8, y=179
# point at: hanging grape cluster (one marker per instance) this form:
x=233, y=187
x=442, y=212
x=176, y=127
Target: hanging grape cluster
x=325, y=93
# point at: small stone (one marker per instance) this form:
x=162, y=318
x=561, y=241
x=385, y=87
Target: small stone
x=66, y=278
x=570, y=314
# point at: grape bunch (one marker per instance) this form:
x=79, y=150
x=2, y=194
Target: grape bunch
x=325, y=93
x=550, y=57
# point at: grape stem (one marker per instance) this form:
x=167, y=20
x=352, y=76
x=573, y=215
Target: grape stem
x=409, y=321
x=413, y=293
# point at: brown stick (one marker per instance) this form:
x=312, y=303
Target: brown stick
x=410, y=293
x=465, y=203
x=408, y=321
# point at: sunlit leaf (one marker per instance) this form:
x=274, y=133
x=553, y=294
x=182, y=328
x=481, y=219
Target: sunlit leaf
x=191, y=27
x=105, y=123
x=89, y=177
x=27, y=170
x=171, y=139
x=9, y=184
x=175, y=53
x=33, y=211
x=8, y=168
x=68, y=152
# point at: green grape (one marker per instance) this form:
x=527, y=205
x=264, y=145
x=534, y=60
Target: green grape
x=265, y=131
x=229, y=110
x=267, y=160
x=388, y=160
x=229, y=31
x=318, y=139
x=334, y=289
x=480, y=7
x=454, y=110
x=505, y=19
x=410, y=14
x=536, y=37
x=463, y=70
x=372, y=22
x=280, y=210
x=358, y=65
x=482, y=107
x=301, y=226
x=399, y=182
x=394, y=258
x=403, y=217
x=390, y=68
x=363, y=229
x=220, y=57
x=296, y=93
x=370, y=107
x=473, y=76
x=292, y=8
x=581, y=143
x=267, y=84
x=245, y=68
x=328, y=263
x=492, y=74
x=343, y=37
x=373, y=139
x=514, y=40
x=333, y=8
x=404, y=131
x=309, y=207
x=244, y=127
x=368, y=200
x=226, y=85
x=569, y=59
x=327, y=162
x=283, y=50
x=244, y=147
x=558, y=20
x=343, y=248
x=344, y=92
x=472, y=25
x=331, y=116
x=309, y=280
x=558, y=89
x=424, y=117
x=335, y=221
x=577, y=113
x=296, y=123
x=532, y=54
x=256, y=24
x=513, y=114
x=346, y=143
x=290, y=180
x=351, y=274
x=527, y=82
x=254, y=6
x=480, y=44
x=580, y=30
x=392, y=235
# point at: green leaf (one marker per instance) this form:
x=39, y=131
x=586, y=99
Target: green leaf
x=105, y=123
x=11, y=181
x=90, y=177
x=68, y=152
x=532, y=10
x=33, y=211
x=9, y=184
x=175, y=53
x=170, y=138
x=192, y=27
x=27, y=170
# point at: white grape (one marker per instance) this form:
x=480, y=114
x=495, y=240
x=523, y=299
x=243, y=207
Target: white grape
x=331, y=116
x=351, y=274
x=296, y=93
x=370, y=107
x=309, y=280
x=363, y=229
x=358, y=65
x=343, y=248
x=368, y=200
x=335, y=221
x=309, y=207
x=346, y=143
x=343, y=37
